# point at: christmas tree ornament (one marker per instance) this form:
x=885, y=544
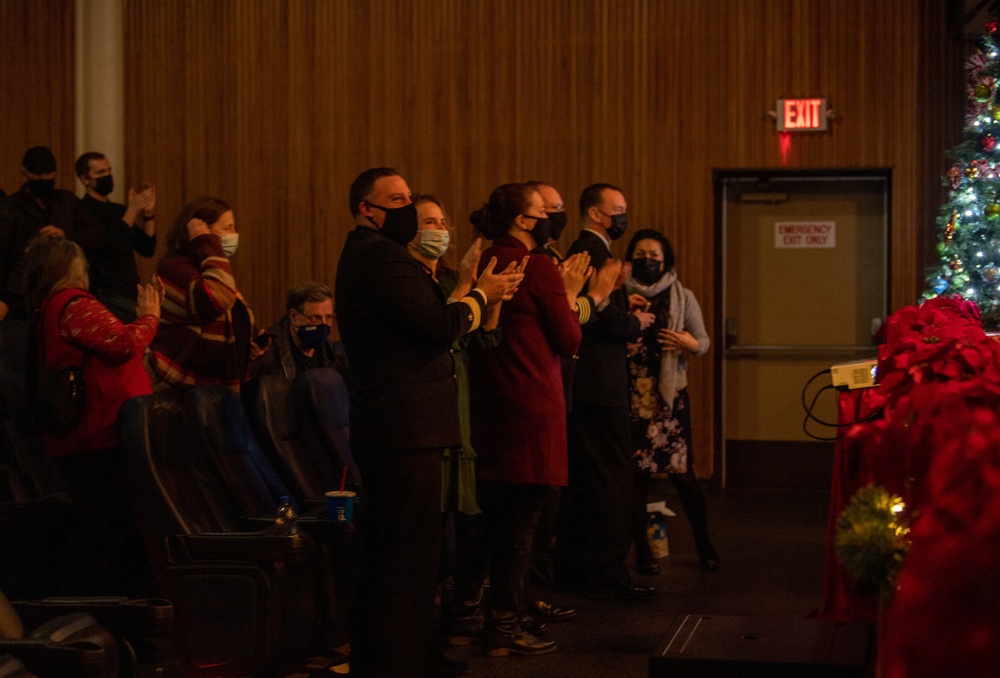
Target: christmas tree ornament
x=992, y=210
x=972, y=171
x=982, y=92
x=955, y=176
x=995, y=113
x=991, y=27
x=955, y=264
x=989, y=142
x=989, y=272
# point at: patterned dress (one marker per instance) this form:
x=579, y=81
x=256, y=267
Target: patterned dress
x=661, y=441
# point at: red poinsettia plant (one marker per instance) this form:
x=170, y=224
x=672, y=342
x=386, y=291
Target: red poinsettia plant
x=938, y=446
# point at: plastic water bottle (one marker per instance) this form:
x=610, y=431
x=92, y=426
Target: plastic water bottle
x=286, y=520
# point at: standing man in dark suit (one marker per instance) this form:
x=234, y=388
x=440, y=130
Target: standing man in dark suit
x=596, y=536
x=397, y=328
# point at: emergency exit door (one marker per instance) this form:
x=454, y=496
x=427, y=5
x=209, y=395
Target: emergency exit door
x=804, y=282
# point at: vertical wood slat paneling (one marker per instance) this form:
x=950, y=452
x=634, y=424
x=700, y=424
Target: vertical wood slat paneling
x=276, y=106
x=37, y=94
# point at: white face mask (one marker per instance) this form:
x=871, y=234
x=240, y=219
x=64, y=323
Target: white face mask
x=433, y=243
x=230, y=241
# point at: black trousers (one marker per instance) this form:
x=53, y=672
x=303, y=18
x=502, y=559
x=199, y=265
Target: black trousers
x=596, y=521
x=400, y=528
x=499, y=543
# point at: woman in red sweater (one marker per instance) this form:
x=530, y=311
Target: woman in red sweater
x=518, y=421
x=206, y=327
x=73, y=328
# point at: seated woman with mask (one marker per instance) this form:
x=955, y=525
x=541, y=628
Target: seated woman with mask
x=206, y=326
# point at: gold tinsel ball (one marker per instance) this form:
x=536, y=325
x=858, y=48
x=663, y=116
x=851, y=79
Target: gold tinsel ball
x=972, y=172
x=982, y=93
x=954, y=264
x=992, y=210
x=990, y=273
x=995, y=113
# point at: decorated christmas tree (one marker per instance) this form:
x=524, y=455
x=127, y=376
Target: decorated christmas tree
x=969, y=239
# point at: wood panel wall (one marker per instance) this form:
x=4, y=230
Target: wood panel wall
x=277, y=105
x=37, y=104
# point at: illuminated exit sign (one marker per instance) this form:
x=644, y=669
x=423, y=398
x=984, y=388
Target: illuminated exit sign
x=801, y=115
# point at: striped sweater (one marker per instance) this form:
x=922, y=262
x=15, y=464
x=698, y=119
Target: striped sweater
x=201, y=317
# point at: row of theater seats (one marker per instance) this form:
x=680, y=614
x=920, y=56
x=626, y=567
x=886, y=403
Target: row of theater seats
x=205, y=483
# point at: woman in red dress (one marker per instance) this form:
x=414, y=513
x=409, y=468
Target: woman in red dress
x=518, y=419
x=74, y=329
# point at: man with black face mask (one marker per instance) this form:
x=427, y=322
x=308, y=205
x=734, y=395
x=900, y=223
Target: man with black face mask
x=128, y=229
x=37, y=209
x=397, y=328
x=595, y=534
x=300, y=340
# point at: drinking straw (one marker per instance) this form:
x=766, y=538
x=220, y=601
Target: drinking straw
x=343, y=479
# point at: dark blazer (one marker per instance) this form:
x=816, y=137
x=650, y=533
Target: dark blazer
x=601, y=376
x=397, y=329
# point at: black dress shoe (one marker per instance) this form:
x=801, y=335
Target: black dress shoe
x=533, y=625
x=711, y=564
x=551, y=612
x=504, y=636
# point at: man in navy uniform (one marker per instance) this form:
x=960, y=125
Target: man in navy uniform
x=397, y=329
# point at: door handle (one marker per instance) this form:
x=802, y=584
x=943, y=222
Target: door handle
x=732, y=330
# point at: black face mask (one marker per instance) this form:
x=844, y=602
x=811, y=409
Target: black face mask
x=619, y=222
x=104, y=185
x=558, y=223
x=647, y=271
x=312, y=336
x=400, y=223
x=542, y=231
x=42, y=188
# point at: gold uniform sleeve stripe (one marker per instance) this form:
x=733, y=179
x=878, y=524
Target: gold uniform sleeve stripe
x=475, y=311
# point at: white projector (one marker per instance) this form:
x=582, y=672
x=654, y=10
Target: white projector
x=859, y=374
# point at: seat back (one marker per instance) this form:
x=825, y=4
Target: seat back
x=169, y=471
x=323, y=395
x=14, y=337
x=289, y=438
x=219, y=419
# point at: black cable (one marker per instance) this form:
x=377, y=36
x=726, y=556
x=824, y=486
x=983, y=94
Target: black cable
x=809, y=415
x=837, y=425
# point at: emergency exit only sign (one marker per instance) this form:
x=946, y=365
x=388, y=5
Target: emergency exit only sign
x=805, y=234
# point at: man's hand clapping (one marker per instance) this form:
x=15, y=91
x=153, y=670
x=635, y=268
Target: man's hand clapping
x=500, y=285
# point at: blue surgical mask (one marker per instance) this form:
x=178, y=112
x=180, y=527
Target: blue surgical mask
x=312, y=336
x=433, y=243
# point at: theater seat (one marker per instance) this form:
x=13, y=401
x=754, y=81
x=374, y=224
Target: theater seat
x=33, y=501
x=64, y=645
x=323, y=395
x=279, y=413
x=242, y=600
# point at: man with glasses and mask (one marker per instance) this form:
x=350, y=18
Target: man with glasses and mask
x=594, y=537
x=37, y=209
x=300, y=340
x=397, y=329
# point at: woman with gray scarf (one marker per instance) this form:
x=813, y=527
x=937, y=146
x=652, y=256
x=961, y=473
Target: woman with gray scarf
x=661, y=409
